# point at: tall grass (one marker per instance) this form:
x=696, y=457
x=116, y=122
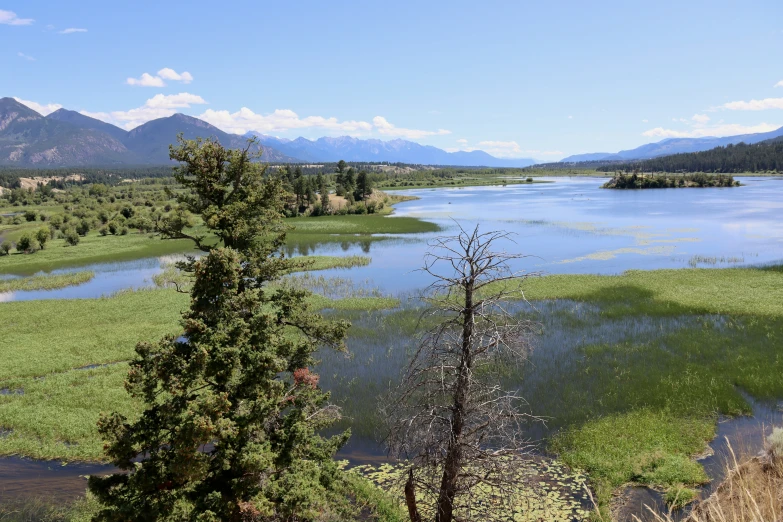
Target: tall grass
x=45, y=282
x=751, y=492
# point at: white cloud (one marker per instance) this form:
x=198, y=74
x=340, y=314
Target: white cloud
x=719, y=130
x=146, y=80
x=72, y=30
x=171, y=74
x=644, y=120
x=779, y=84
x=502, y=149
x=10, y=18
x=159, y=106
x=25, y=56
x=700, y=118
x=755, y=105
x=38, y=107
x=385, y=128
x=245, y=120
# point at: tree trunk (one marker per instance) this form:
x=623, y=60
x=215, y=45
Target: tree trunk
x=410, y=498
x=453, y=460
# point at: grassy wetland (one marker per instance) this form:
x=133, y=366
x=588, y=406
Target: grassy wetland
x=631, y=369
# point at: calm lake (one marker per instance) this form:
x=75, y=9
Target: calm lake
x=569, y=225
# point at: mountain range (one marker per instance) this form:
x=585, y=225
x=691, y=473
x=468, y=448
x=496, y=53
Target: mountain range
x=354, y=149
x=68, y=138
x=674, y=146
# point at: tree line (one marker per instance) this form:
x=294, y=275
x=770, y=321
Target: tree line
x=759, y=157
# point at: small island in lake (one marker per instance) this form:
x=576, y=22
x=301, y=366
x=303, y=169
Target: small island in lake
x=644, y=181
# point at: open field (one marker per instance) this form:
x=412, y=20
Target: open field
x=93, y=248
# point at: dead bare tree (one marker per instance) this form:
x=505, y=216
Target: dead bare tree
x=449, y=417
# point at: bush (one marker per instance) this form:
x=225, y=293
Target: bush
x=124, y=231
x=775, y=443
x=56, y=221
x=30, y=215
x=26, y=244
x=71, y=237
x=42, y=236
x=5, y=248
x=83, y=227
x=113, y=227
x=529, y=180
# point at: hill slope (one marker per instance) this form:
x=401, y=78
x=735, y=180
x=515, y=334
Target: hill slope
x=743, y=157
x=29, y=139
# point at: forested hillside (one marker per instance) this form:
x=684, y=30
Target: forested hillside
x=760, y=157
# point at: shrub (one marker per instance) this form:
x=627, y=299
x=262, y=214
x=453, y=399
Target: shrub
x=529, y=180
x=30, y=215
x=71, y=237
x=83, y=227
x=113, y=227
x=26, y=243
x=124, y=231
x=775, y=443
x=5, y=248
x=56, y=221
x=42, y=236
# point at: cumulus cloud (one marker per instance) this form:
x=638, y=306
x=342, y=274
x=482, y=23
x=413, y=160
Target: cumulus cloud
x=72, y=30
x=159, y=106
x=171, y=74
x=755, y=105
x=148, y=80
x=779, y=84
x=385, y=128
x=719, y=130
x=700, y=118
x=40, y=108
x=25, y=56
x=245, y=120
x=10, y=18
x=462, y=141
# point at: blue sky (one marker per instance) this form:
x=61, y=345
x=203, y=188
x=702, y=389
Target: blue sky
x=518, y=79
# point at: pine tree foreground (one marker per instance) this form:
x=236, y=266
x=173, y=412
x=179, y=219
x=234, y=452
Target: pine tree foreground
x=230, y=429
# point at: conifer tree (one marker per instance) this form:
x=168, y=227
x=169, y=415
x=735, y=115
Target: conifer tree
x=232, y=410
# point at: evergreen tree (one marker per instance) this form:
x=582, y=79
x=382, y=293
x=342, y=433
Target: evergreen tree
x=363, y=186
x=232, y=412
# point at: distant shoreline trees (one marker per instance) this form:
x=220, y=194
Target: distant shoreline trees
x=731, y=159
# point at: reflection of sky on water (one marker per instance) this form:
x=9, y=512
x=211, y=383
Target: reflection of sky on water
x=567, y=226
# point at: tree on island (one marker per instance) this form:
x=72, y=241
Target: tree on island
x=232, y=411
x=461, y=433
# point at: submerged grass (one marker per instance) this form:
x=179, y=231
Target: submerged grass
x=45, y=282
x=87, y=331
x=356, y=224
x=742, y=291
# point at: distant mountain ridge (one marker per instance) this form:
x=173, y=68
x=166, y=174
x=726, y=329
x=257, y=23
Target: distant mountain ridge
x=395, y=151
x=67, y=138
x=671, y=146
